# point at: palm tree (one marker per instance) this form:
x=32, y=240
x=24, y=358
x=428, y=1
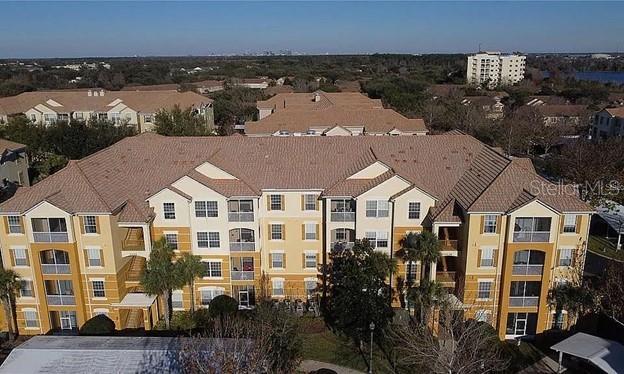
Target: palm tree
x=573, y=299
x=159, y=276
x=190, y=267
x=9, y=286
x=428, y=248
x=426, y=296
x=409, y=252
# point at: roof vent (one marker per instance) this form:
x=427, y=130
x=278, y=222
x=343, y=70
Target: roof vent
x=89, y=93
x=317, y=97
x=101, y=92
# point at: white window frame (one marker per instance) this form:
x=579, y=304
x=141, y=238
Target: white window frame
x=14, y=225
x=309, y=256
x=202, y=239
x=569, y=228
x=278, y=287
x=413, y=210
x=212, y=292
x=214, y=239
x=23, y=259
x=91, y=260
x=172, y=239
x=489, y=282
x=31, y=288
x=309, y=202
x=33, y=321
x=377, y=208
x=275, y=200
x=214, y=269
x=489, y=223
x=275, y=232
x=374, y=237
x=97, y=289
x=88, y=226
x=206, y=209
x=177, y=296
x=169, y=210
x=310, y=235
x=487, y=261
x=281, y=263
x=567, y=260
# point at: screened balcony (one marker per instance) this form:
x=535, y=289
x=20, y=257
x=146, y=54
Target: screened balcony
x=240, y=211
x=133, y=239
x=54, y=261
x=524, y=294
x=342, y=236
x=342, y=210
x=528, y=262
x=532, y=229
x=49, y=230
x=242, y=240
x=449, y=237
x=59, y=292
x=242, y=268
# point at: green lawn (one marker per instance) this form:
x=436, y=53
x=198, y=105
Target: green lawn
x=320, y=344
x=604, y=247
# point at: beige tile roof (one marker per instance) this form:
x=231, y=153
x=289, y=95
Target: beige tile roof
x=616, y=112
x=124, y=175
x=298, y=112
x=9, y=145
x=79, y=100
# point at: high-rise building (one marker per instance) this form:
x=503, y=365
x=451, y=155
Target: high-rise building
x=495, y=68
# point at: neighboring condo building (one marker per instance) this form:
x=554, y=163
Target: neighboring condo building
x=263, y=214
x=13, y=163
x=495, y=68
x=329, y=114
x=608, y=123
x=128, y=107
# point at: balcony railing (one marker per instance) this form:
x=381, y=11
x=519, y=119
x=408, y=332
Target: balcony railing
x=523, y=301
x=240, y=216
x=345, y=245
x=55, y=269
x=242, y=246
x=342, y=216
x=61, y=299
x=449, y=245
x=531, y=236
x=445, y=276
x=50, y=237
x=527, y=269
x=242, y=275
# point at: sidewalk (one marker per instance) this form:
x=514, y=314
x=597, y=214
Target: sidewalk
x=311, y=365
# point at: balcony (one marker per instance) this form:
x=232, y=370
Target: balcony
x=241, y=216
x=345, y=245
x=531, y=236
x=242, y=246
x=446, y=276
x=527, y=269
x=342, y=216
x=242, y=275
x=61, y=299
x=523, y=301
x=449, y=245
x=55, y=269
x=50, y=237
x=133, y=240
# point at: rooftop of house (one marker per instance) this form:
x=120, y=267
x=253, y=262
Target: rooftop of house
x=7, y=145
x=453, y=168
x=616, y=112
x=65, y=101
x=299, y=112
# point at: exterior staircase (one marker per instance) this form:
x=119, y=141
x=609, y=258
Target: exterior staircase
x=136, y=266
x=135, y=319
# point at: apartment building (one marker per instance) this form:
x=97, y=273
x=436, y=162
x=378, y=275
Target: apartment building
x=608, y=123
x=136, y=108
x=263, y=214
x=495, y=68
x=329, y=114
x=13, y=163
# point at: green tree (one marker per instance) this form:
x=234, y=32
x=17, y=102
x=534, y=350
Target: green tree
x=179, y=122
x=424, y=247
x=356, y=281
x=409, y=252
x=576, y=300
x=190, y=267
x=9, y=286
x=425, y=297
x=160, y=277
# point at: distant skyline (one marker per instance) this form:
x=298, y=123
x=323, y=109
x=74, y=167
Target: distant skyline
x=111, y=29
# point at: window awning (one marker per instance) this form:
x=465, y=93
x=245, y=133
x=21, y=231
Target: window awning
x=135, y=300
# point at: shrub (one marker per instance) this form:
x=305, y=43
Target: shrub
x=222, y=305
x=98, y=325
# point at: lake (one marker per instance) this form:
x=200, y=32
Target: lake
x=616, y=77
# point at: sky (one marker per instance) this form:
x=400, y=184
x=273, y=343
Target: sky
x=85, y=29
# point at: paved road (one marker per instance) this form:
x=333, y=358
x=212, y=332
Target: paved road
x=311, y=365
